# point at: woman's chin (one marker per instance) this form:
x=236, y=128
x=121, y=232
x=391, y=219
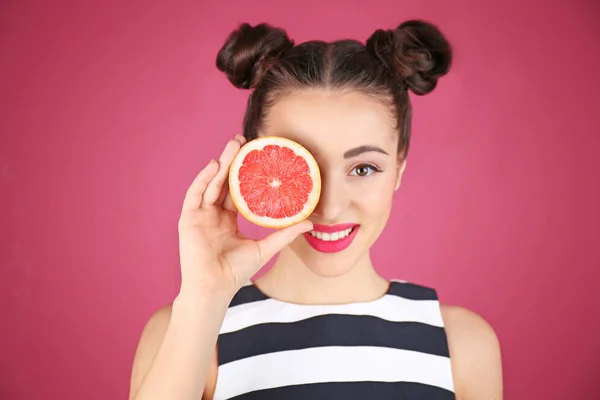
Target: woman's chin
x=328, y=265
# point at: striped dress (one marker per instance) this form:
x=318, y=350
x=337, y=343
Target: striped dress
x=394, y=347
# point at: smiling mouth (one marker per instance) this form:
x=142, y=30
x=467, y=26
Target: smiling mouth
x=332, y=236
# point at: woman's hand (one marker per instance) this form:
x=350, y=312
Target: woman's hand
x=214, y=255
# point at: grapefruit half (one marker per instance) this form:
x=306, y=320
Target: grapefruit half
x=274, y=182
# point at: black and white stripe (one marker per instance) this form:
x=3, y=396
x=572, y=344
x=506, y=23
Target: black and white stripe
x=350, y=390
x=393, y=347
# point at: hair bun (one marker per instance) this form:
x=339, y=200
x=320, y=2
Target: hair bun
x=246, y=53
x=416, y=51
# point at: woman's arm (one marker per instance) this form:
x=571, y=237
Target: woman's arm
x=176, y=349
x=475, y=355
x=178, y=344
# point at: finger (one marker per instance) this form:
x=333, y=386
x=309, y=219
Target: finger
x=241, y=139
x=225, y=191
x=276, y=241
x=195, y=192
x=228, y=203
x=213, y=190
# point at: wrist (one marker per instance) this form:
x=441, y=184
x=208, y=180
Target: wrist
x=194, y=297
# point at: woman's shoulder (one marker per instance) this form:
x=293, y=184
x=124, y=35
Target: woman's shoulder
x=147, y=347
x=474, y=347
x=475, y=353
x=464, y=325
x=461, y=318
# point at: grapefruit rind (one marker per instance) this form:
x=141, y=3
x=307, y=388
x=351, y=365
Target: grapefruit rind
x=238, y=200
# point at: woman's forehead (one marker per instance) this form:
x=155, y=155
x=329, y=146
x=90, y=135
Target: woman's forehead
x=332, y=122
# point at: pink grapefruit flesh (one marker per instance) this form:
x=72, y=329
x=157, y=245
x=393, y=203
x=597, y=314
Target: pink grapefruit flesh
x=274, y=182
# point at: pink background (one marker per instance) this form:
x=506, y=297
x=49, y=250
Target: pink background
x=109, y=109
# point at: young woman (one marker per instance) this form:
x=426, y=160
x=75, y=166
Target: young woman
x=321, y=324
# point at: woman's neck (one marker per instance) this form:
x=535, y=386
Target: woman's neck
x=290, y=280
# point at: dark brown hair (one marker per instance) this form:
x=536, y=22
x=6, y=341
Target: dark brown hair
x=262, y=57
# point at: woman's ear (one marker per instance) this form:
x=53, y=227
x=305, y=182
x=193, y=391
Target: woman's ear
x=401, y=167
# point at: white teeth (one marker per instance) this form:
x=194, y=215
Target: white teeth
x=331, y=237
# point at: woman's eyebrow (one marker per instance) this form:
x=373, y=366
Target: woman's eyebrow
x=363, y=149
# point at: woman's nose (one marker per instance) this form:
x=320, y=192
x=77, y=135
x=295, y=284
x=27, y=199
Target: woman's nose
x=332, y=200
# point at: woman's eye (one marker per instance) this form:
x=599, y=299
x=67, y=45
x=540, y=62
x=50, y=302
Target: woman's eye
x=363, y=170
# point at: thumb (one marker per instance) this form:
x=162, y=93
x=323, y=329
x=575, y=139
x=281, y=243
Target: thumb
x=276, y=241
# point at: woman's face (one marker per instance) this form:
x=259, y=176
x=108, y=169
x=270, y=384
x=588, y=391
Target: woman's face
x=354, y=140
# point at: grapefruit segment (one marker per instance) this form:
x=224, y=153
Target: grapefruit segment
x=274, y=182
